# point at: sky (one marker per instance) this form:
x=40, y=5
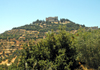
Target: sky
x=15, y=13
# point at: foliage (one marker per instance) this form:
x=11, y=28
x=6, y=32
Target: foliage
x=88, y=47
x=55, y=52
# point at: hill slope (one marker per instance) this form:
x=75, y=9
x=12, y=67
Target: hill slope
x=12, y=40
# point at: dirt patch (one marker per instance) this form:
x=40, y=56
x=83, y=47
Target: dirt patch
x=6, y=62
x=1, y=52
x=41, y=26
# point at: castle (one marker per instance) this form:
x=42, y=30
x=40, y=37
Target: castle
x=52, y=19
x=56, y=21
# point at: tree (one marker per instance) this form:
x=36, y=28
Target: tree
x=88, y=47
x=55, y=52
x=62, y=20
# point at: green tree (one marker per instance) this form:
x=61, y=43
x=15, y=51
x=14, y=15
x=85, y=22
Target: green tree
x=55, y=52
x=88, y=47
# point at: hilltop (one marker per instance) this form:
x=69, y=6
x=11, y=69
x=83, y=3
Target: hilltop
x=36, y=30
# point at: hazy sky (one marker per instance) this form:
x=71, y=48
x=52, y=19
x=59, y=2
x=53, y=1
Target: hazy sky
x=14, y=13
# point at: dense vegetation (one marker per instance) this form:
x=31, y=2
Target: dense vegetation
x=88, y=47
x=55, y=52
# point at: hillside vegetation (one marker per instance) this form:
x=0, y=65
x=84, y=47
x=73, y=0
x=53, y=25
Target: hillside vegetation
x=15, y=38
x=65, y=47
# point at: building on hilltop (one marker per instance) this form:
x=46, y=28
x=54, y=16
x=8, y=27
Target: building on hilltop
x=56, y=21
x=93, y=28
x=52, y=19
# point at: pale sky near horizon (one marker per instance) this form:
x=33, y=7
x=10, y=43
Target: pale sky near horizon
x=14, y=13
